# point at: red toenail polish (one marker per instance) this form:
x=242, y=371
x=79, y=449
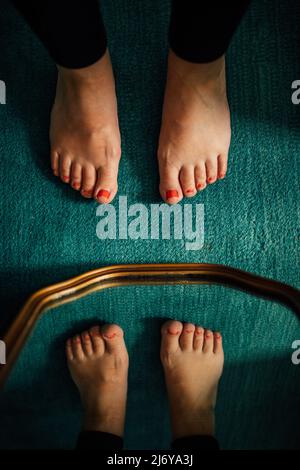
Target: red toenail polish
x=200, y=185
x=189, y=191
x=189, y=331
x=66, y=179
x=172, y=193
x=172, y=332
x=110, y=336
x=103, y=193
x=76, y=185
x=87, y=193
x=222, y=176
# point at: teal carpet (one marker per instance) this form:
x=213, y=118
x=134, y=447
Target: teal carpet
x=48, y=232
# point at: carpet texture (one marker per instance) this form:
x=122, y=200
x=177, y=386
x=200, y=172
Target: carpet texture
x=48, y=232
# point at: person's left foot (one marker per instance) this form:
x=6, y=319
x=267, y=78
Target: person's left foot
x=98, y=363
x=195, y=133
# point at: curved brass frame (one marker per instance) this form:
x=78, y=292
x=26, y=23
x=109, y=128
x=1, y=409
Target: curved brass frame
x=122, y=275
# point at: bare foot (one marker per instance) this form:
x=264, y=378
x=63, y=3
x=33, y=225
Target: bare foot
x=195, y=133
x=193, y=360
x=84, y=131
x=98, y=363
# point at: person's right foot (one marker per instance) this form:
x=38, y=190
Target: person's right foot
x=84, y=130
x=98, y=363
x=193, y=360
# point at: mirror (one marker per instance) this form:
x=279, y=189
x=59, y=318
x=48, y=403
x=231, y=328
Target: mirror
x=258, y=399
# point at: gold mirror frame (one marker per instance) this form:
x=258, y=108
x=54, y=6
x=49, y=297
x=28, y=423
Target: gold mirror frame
x=136, y=274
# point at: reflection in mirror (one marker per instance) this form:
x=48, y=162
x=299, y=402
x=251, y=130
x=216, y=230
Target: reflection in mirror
x=258, y=399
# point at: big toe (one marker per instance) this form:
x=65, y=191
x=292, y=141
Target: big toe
x=169, y=188
x=113, y=336
x=170, y=333
x=107, y=185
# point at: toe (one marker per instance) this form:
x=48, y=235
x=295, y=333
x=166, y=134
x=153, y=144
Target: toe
x=77, y=348
x=106, y=186
x=208, y=342
x=76, y=175
x=211, y=170
x=187, y=337
x=198, y=338
x=170, y=333
x=169, y=186
x=218, y=348
x=86, y=343
x=69, y=351
x=113, y=337
x=222, y=165
x=88, y=181
x=187, y=181
x=55, y=163
x=65, y=168
x=200, y=176
x=97, y=340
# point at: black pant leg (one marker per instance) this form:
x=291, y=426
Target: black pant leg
x=72, y=31
x=200, y=31
x=96, y=440
x=195, y=443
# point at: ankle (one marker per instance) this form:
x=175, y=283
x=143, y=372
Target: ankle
x=201, y=423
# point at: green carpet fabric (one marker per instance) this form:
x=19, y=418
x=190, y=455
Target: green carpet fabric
x=48, y=232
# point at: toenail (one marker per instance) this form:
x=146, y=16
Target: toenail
x=103, y=193
x=211, y=180
x=110, y=336
x=76, y=185
x=189, y=191
x=200, y=185
x=189, y=331
x=199, y=331
x=87, y=193
x=173, y=332
x=66, y=179
x=222, y=176
x=172, y=193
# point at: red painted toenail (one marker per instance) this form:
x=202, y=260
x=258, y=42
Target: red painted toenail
x=172, y=193
x=189, y=191
x=173, y=332
x=199, y=332
x=200, y=185
x=103, y=193
x=87, y=193
x=66, y=179
x=76, y=185
x=189, y=331
x=110, y=336
x=211, y=180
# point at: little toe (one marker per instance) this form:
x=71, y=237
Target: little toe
x=106, y=185
x=208, y=343
x=113, y=337
x=170, y=333
x=97, y=340
x=86, y=343
x=169, y=187
x=200, y=176
x=88, y=181
x=69, y=351
x=211, y=170
x=187, y=181
x=198, y=338
x=76, y=176
x=218, y=347
x=77, y=349
x=65, y=168
x=187, y=337
x=222, y=165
